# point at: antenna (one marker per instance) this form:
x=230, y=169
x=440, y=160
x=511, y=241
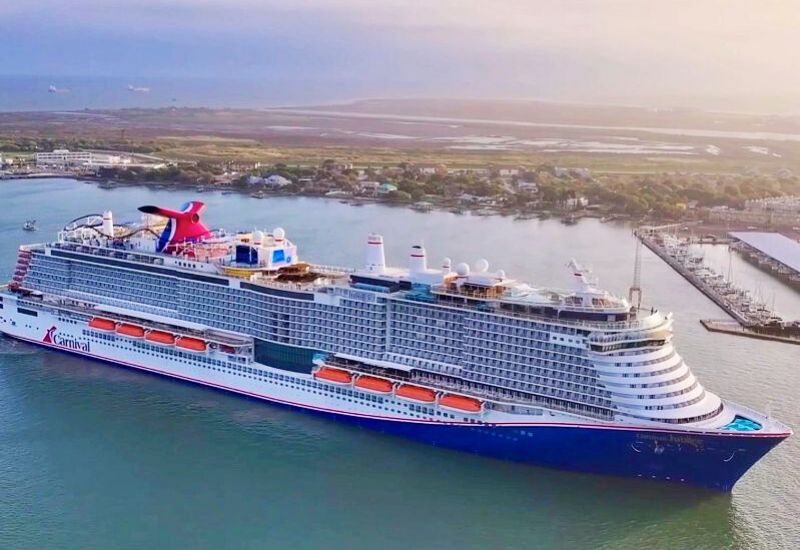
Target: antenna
x=636, y=286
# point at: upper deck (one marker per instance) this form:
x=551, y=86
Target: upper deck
x=268, y=261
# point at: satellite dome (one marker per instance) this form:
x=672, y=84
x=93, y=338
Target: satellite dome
x=482, y=265
x=462, y=269
x=258, y=237
x=278, y=233
x=447, y=263
x=501, y=274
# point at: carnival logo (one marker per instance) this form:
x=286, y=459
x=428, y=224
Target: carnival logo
x=48, y=337
x=52, y=337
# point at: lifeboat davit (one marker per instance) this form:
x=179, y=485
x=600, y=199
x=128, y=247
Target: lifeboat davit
x=374, y=385
x=131, y=331
x=160, y=337
x=98, y=323
x=461, y=403
x=416, y=394
x=191, y=344
x=334, y=376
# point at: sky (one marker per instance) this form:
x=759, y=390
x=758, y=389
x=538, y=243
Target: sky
x=588, y=50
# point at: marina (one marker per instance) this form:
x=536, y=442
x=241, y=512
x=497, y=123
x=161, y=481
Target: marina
x=752, y=316
x=772, y=252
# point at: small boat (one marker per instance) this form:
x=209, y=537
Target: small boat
x=131, y=331
x=161, y=338
x=98, y=323
x=461, y=403
x=191, y=344
x=416, y=394
x=229, y=192
x=334, y=376
x=30, y=225
x=374, y=385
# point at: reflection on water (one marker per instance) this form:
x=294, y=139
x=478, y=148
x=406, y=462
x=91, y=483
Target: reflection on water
x=92, y=455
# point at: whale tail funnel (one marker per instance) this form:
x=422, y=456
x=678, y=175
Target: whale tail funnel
x=184, y=225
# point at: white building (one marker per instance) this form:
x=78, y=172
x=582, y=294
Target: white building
x=65, y=157
x=528, y=187
x=276, y=180
x=576, y=202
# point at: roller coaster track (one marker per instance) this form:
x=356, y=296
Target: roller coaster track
x=89, y=222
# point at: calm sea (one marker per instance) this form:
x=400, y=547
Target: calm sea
x=95, y=456
x=31, y=93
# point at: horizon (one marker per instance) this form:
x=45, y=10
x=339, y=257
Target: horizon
x=614, y=52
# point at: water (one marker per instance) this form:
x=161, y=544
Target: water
x=94, y=456
x=30, y=93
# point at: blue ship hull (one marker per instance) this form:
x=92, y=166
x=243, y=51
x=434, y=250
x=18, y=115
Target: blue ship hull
x=714, y=461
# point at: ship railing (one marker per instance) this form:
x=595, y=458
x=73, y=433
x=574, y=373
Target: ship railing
x=556, y=298
x=652, y=319
x=335, y=269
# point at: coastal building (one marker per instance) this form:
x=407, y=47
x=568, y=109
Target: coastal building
x=276, y=180
x=573, y=203
x=508, y=171
x=368, y=187
x=432, y=169
x=65, y=158
x=386, y=188
x=527, y=187
x=772, y=217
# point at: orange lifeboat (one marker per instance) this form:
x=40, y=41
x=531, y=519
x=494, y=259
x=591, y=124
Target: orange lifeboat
x=191, y=344
x=416, y=394
x=131, y=331
x=374, y=385
x=98, y=323
x=160, y=337
x=461, y=403
x=334, y=376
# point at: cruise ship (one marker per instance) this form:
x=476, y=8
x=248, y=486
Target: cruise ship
x=458, y=356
